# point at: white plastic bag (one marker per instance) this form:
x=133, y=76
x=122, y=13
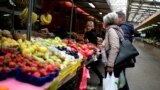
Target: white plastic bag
x=110, y=82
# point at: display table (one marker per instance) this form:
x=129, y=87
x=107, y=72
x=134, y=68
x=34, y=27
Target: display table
x=13, y=84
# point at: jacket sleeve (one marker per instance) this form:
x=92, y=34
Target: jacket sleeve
x=114, y=45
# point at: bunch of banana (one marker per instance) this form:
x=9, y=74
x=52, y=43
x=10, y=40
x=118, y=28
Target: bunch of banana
x=24, y=16
x=46, y=19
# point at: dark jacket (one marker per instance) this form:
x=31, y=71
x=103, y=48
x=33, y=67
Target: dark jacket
x=91, y=36
x=128, y=30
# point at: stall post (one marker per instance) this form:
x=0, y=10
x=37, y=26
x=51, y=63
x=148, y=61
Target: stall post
x=71, y=20
x=29, y=24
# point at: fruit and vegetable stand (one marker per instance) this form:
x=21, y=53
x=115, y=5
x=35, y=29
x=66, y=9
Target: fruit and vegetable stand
x=42, y=63
x=32, y=63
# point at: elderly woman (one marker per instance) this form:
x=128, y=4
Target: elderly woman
x=111, y=43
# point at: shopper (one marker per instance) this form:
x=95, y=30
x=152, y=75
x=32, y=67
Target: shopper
x=91, y=37
x=111, y=43
x=127, y=28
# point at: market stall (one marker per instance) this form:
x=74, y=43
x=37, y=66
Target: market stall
x=31, y=60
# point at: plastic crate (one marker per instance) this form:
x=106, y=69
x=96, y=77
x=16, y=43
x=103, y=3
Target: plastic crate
x=69, y=70
x=23, y=77
x=3, y=76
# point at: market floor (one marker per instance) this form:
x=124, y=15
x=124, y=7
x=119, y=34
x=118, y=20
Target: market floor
x=145, y=75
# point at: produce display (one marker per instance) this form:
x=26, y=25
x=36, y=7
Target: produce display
x=87, y=50
x=24, y=16
x=152, y=41
x=5, y=33
x=39, y=61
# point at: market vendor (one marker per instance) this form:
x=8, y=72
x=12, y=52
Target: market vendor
x=90, y=33
x=91, y=37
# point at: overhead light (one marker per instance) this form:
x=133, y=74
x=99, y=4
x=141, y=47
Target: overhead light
x=154, y=25
x=6, y=15
x=91, y=4
x=100, y=13
x=158, y=22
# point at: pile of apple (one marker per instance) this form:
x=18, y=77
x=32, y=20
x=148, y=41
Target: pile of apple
x=31, y=67
x=7, y=63
x=26, y=64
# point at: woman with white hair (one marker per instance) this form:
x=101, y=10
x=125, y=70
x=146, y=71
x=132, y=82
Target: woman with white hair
x=111, y=43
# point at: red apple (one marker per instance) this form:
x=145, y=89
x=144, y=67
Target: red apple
x=37, y=74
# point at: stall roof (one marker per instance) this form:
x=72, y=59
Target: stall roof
x=152, y=22
x=98, y=8
x=139, y=10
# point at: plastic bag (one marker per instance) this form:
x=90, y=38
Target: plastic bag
x=85, y=76
x=122, y=80
x=110, y=82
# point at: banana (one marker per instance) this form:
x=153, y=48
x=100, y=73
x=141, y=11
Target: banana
x=42, y=20
x=34, y=17
x=46, y=19
x=23, y=14
x=49, y=18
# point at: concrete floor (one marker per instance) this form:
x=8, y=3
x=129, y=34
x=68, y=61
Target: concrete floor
x=144, y=76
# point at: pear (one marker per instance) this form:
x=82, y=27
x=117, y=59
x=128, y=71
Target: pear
x=42, y=49
x=38, y=58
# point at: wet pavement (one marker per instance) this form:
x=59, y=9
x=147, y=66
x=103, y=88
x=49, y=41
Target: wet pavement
x=144, y=76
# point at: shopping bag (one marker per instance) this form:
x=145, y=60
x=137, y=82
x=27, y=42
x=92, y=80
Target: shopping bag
x=121, y=81
x=110, y=82
x=85, y=76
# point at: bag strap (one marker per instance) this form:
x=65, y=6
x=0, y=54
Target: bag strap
x=120, y=35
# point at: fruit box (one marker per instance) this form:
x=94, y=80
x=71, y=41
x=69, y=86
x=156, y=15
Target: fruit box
x=52, y=76
x=23, y=77
x=9, y=50
x=64, y=72
x=12, y=73
x=75, y=66
x=3, y=76
x=69, y=70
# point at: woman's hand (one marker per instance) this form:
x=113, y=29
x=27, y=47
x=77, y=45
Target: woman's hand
x=109, y=69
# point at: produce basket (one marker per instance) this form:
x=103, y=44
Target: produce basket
x=52, y=76
x=3, y=76
x=75, y=67
x=38, y=81
x=69, y=70
x=9, y=50
x=20, y=76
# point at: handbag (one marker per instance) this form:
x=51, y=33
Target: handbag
x=126, y=52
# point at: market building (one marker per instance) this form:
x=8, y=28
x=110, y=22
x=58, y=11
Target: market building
x=48, y=45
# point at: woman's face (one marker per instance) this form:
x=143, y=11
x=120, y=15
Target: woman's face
x=105, y=26
x=89, y=27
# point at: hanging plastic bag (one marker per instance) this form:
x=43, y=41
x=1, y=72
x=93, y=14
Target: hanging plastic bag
x=85, y=76
x=110, y=82
x=122, y=80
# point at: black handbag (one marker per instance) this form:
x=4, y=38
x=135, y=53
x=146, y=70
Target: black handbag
x=126, y=52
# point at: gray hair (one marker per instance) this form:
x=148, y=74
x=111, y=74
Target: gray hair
x=121, y=15
x=110, y=18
